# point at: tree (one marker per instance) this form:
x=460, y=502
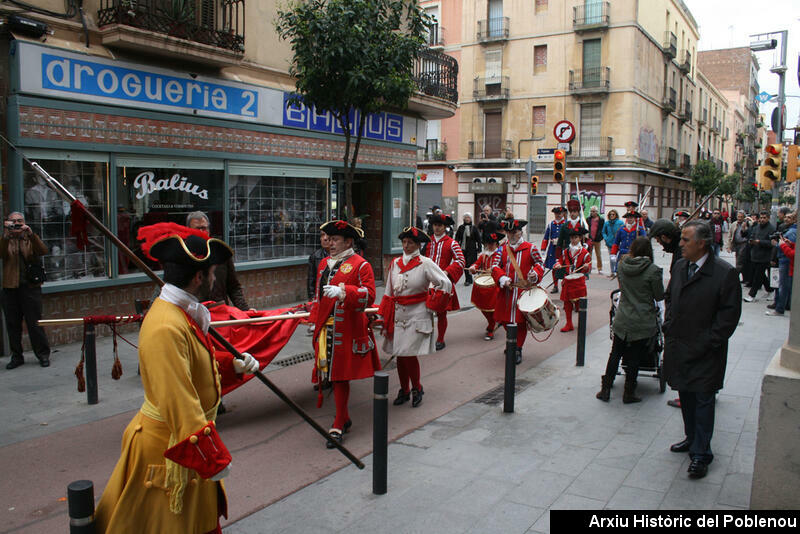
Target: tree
x=705, y=177
x=353, y=58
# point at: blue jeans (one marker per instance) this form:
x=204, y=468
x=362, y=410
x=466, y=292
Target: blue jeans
x=613, y=263
x=784, y=292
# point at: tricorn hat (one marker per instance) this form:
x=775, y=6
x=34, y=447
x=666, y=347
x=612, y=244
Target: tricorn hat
x=631, y=204
x=509, y=225
x=578, y=231
x=634, y=214
x=439, y=218
x=682, y=213
x=492, y=233
x=414, y=233
x=573, y=205
x=558, y=209
x=174, y=243
x=342, y=228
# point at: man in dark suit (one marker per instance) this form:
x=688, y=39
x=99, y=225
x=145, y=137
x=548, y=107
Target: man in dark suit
x=703, y=305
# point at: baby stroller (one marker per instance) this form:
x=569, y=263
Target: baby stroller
x=652, y=364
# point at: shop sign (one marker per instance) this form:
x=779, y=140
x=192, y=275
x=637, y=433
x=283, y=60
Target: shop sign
x=488, y=188
x=147, y=183
x=381, y=126
x=430, y=176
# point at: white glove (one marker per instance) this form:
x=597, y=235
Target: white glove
x=533, y=276
x=472, y=269
x=504, y=281
x=613, y=257
x=247, y=365
x=222, y=474
x=333, y=292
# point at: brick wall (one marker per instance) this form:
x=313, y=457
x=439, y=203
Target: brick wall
x=726, y=69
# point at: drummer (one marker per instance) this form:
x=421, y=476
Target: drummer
x=577, y=260
x=573, y=222
x=550, y=240
x=631, y=207
x=408, y=323
x=446, y=253
x=625, y=235
x=512, y=279
x=484, y=296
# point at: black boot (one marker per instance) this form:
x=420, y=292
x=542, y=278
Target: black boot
x=606, y=382
x=416, y=397
x=402, y=397
x=629, y=395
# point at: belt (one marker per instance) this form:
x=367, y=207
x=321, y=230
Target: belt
x=322, y=348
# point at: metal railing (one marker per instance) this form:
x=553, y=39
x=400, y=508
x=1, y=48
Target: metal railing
x=593, y=148
x=670, y=44
x=479, y=150
x=669, y=157
x=494, y=88
x=686, y=112
x=670, y=99
x=218, y=23
x=594, y=79
x=591, y=15
x=686, y=61
x=493, y=29
x=703, y=118
x=436, y=74
x=435, y=35
x=437, y=154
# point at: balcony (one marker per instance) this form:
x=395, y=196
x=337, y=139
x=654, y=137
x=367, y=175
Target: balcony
x=494, y=29
x=670, y=44
x=588, y=81
x=590, y=16
x=686, y=164
x=685, y=64
x=435, y=36
x=726, y=134
x=703, y=118
x=685, y=114
x=715, y=125
x=491, y=89
x=436, y=75
x=209, y=32
x=750, y=131
x=670, y=101
x=480, y=150
x=669, y=157
x=593, y=149
x=434, y=152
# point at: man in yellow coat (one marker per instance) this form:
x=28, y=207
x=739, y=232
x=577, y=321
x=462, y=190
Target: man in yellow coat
x=169, y=475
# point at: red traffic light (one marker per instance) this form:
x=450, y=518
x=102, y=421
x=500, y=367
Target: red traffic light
x=559, y=155
x=773, y=149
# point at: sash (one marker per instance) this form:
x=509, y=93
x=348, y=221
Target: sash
x=387, y=307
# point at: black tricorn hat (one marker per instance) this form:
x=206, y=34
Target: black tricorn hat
x=509, y=225
x=439, y=218
x=414, y=233
x=558, y=209
x=634, y=214
x=631, y=204
x=682, y=213
x=578, y=231
x=174, y=243
x=492, y=233
x=342, y=228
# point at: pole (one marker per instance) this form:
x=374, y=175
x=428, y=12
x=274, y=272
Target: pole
x=80, y=502
x=380, y=432
x=511, y=368
x=581, y=353
x=90, y=354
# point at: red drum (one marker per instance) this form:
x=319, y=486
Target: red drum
x=484, y=292
x=573, y=287
x=437, y=300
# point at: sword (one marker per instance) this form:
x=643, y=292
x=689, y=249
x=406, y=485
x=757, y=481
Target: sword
x=76, y=204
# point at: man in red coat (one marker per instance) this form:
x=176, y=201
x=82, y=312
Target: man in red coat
x=343, y=342
x=446, y=253
x=511, y=284
x=576, y=259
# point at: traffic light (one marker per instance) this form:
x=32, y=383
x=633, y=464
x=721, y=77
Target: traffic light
x=762, y=182
x=773, y=160
x=793, y=163
x=534, y=184
x=559, y=165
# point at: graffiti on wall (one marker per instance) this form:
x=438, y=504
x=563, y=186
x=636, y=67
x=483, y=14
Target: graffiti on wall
x=648, y=144
x=592, y=195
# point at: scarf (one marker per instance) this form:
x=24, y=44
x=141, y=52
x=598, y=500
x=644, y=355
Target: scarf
x=516, y=244
x=333, y=260
x=574, y=249
x=188, y=303
x=408, y=257
x=574, y=221
x=629, y=226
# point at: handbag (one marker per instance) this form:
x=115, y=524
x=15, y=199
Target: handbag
x=35, y=274
x=774, y=277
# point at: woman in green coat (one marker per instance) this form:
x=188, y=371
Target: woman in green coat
x=635, y=324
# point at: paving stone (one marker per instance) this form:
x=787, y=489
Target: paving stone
x=476, y=498
x=598, y=482
x=569, y=460
x=541, y=489
x=575, y=502
x=688, y=494
x=736, y=490
x=629, y=498
x=508, y=518
x=651, y=474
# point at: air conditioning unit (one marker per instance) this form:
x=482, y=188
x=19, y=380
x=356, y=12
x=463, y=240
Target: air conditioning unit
x=479, y=180
x=494, y=180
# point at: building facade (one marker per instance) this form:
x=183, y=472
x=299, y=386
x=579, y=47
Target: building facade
x=713, y=131
x=147, y=115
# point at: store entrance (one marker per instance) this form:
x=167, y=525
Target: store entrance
x=367, y=206
x=496, y=201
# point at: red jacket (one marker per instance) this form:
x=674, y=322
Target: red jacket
x=583, y=257
x=446, y=253
x=354, y=353
x=529, y=261
x=788, y=251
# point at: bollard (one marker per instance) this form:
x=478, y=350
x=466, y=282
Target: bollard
x=380, y=432
x=511, y=368
x=579, y=357
x=80, y=502
x=90, y=354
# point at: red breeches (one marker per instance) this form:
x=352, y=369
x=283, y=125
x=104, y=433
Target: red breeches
x=341, y=395
x=442, y=326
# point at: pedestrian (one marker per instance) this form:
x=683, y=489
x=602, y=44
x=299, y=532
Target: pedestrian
x=575, y=260
x=635, y=324
x=625, y=235
x=703, y=306
x=758, y=237
x=512, y=279
x=681, y=216
x=785, y=245
x=484, y=297
x=646, y=220
x=446, y=253
x=21, y=251
x=168, y=477
x=610, y=228
x=668, y=236
x=550, y=241
x=314, y=260
x=719, y=227
x=486, y=216
x=344, y=346
x=469, y=238
x=407, y=322
x=737, y=242
x=630, y=207
x=596, y=224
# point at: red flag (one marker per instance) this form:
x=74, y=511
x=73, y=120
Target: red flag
x=77, y=216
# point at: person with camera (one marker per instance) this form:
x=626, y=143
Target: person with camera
x=21, y=250
x=469, y=237
x=737, y=243
x=486, y=216
x=785, y=246
x=759, y=237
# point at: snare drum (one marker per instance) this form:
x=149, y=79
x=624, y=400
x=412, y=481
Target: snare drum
x=484, y=292
x=539, y=312
x=574, y=287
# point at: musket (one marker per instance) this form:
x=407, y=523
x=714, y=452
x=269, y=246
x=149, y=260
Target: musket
x=703, y=203
x=76, y=204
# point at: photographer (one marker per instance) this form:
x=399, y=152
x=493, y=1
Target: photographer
x=759, y=238
x=486, y=216
x=737, y=243
x=22, y=288
x=785, y=246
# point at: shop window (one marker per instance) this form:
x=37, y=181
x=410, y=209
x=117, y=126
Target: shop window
x=49, y=217
x=150, y=191
x=274, y=217
x=401, y=206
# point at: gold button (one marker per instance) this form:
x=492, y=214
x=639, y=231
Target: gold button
x=137, y=428
x=207, y=431
x=148, y=484
x=194, y=482
x=192, y=439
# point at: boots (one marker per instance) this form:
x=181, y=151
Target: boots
x=605, y=388
x=629, y=395
x=568, y=313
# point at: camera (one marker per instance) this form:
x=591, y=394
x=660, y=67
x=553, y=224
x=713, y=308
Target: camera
x=776, y=236
x=17, y=226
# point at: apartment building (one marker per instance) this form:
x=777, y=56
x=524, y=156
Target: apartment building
x=621, y=71
x=150, y=109
x=713, y=131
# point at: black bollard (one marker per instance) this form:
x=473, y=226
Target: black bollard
x=80, y=502
x=380, y=432
x=579, y=357
x=90, y=353
x=511, y=368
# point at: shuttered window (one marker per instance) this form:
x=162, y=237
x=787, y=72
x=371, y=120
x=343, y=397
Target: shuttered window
x=590, y=130
x=494, y=65
x=591, y=63
x=493, y=123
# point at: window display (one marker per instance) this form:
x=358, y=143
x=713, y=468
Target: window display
x=401, y=205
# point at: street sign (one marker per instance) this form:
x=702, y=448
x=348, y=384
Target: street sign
x=566, y=147
x=545, y=150
x=544, y=154
x=564, y=131
x=764, y=97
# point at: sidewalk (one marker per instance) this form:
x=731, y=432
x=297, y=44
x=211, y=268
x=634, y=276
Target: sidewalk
x=477, y=469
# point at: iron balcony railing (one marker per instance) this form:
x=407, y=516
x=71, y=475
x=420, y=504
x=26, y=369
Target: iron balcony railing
x=590, y=16
x=670, y=44
x=715, y=124
x=218, y=23
x=435, y=35
x=436, y=74
x=703, y=118
x=493, y=88
x=593, y=148
x=669, y=157
x=433, y=153
x=591, y=80
x=686, y=163
x=670, y=100
x=686, y=61
x=479, y=150
x=493, y=29
x=685, y=114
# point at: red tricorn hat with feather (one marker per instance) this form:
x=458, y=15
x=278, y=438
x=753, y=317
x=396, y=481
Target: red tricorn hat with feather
x=174, y=243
